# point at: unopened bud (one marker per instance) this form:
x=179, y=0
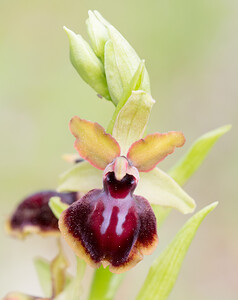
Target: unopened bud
x=87, y=64
x=127, y=60
x=98, y=34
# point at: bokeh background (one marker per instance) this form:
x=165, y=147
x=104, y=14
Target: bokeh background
x=190, y=48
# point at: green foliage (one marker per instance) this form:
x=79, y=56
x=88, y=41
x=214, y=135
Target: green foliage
x=105, y=284
x=165, y=269
x=190, y=162
x=44, y=275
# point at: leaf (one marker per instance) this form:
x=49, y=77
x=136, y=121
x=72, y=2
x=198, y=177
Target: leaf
x=191, y=161
x=165, y=269
x=82, y=177
x=105, y=284
x=57, y=206
x=146, y=153
x=93, y=143
x=189, y=164
x=160, y=189
x=132, y=119
x=44, y=275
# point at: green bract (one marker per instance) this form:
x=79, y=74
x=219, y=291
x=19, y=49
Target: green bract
x=132, y=119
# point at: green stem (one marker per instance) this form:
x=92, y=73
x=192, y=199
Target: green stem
x=81, y=267
x=105, y=284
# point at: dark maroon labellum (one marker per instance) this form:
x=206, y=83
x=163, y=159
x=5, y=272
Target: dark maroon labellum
x=35, y=211
x=111, y=225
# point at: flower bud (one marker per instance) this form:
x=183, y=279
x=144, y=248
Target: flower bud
x=114, y=81
x=120, y=62
x=87, y=64
x=127, y=60
x=98, y=34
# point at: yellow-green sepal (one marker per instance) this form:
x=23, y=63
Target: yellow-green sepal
x=160, y=189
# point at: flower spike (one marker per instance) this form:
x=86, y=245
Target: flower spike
x=93, y=143
x=146, y=153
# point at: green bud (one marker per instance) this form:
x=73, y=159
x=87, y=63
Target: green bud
x=120, y=62
x=113, y=76
x=101, y=19
x=127, y=59
x=87, y=64
x=98, y=34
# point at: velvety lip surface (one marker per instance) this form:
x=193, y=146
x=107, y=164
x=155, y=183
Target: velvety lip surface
x=34, y=211
x=119, y=189
x=110, y=225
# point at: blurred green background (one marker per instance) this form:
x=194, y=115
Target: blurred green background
x=190, y=48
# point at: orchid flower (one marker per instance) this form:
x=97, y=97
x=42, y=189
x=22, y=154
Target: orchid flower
x=33, y=214
x=108, y=203
x=112, y=226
